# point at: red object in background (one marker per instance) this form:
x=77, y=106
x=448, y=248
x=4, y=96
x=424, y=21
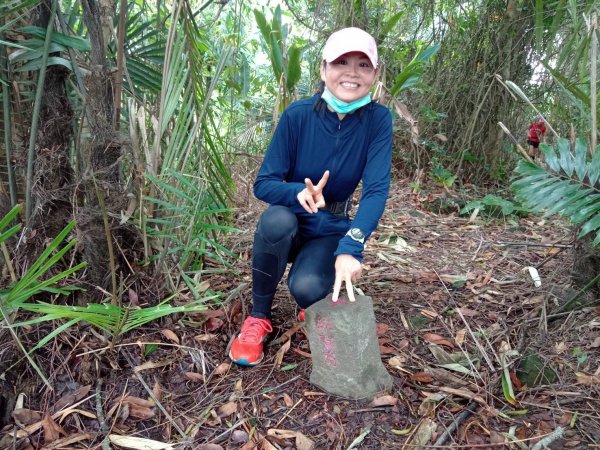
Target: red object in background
x=536, y=130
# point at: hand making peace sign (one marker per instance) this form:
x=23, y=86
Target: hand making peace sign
x=311, y=197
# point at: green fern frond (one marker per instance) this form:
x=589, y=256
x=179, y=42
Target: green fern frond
x=567, y=187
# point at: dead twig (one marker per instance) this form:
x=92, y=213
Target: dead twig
x=464, y=415
x=100, y=415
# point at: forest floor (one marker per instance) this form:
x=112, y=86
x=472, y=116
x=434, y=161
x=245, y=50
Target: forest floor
x=447, y=291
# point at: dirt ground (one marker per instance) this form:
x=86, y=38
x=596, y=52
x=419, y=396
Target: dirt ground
x=458, y=316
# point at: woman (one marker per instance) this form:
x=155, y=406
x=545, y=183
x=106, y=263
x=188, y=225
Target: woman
x=537, y=130
x=321, y=149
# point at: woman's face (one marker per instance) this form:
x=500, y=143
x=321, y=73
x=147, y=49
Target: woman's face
x=349, y=77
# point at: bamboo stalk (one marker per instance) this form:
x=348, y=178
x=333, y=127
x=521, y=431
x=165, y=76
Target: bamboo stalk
x=36, y=114
x=593, y=78
x=120, y=58
x=516, y=142
x=12, y=185
x=111, y=252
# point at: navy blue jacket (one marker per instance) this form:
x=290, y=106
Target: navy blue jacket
x=308, y=142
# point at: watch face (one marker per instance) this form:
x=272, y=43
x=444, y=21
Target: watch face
x=355, y=233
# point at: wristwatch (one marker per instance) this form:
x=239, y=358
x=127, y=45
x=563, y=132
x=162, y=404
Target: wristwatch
x=356, y=234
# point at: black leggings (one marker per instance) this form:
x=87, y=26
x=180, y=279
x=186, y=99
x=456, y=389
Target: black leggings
x=277, y=242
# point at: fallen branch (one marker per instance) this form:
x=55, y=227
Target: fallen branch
x=464, y=415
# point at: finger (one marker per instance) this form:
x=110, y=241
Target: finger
x=323, y=181
x=310, y=201
x=306, y=207
x=302, y=200
x=310, y=187
x=336, y=288
x=350, y=290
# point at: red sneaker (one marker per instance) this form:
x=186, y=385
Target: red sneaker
x=247, y=347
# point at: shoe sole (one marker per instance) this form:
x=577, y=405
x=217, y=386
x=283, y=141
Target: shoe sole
x=243, y=362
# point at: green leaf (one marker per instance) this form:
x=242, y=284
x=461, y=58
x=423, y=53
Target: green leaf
x=276, y=24
x=34, y=50
x=426, y=53
x=535, y=197
x=263, y=25
x=596, y=241
x=12, y=45
x=590, y=225
x=580, y=161
x=10, y=216
x=566, y=158
x=149, y=349
x=585, y=213
x=593, y=171
x=293, y=68
x=413, y=71
x=539, y=24
x=529, y=193
x=562, y=190
x=576, y=206
x=10, y=232
x=507, y=388
x=75, y=42
x=568, y=85
x=9, y=7
x=570, y=197
x=36, y=64
x=390, y=24
x=276, y=56
x=54, y=333
x=554, y=193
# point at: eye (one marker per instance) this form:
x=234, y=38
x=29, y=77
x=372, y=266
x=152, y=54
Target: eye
x=365, y=65
x=341, y=61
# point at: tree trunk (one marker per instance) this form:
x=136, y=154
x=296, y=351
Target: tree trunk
x=586, y=263
x=104, y=195
x=53, y=175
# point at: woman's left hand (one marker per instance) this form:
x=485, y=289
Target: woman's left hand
x=347, y=270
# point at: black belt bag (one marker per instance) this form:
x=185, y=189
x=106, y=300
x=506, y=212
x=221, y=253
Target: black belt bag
x=339, y=209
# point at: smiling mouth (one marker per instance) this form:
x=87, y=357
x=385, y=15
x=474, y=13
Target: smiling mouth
x=349, y=85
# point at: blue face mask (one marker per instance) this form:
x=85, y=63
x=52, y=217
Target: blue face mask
x=342, y=107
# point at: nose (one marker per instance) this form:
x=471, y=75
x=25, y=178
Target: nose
x=353, y=68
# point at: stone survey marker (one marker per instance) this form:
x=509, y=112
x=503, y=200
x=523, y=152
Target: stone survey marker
x=344, y=348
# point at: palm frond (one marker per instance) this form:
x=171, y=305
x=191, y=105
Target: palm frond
x=113, y=319
x=568, y=187
x=189, y=219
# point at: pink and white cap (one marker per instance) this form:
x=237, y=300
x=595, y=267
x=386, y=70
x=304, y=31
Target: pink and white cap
x=350, y=40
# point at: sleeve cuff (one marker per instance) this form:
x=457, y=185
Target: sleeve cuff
x=349, y=246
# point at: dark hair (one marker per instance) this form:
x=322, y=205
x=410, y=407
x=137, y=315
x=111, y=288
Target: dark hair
x=320, y=105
